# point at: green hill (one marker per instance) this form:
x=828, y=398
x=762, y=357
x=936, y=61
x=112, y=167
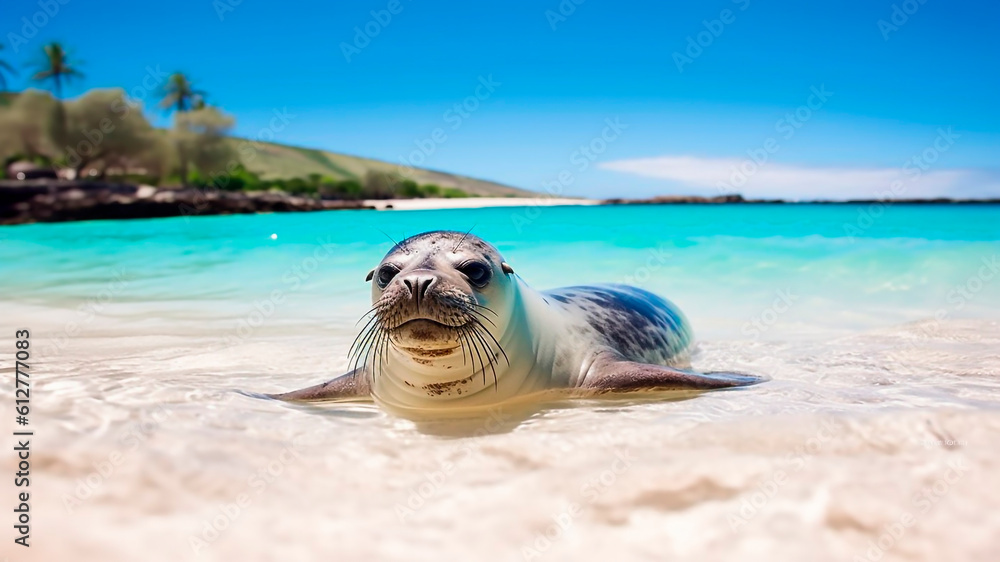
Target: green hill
x=282, y=162
x=278, y=161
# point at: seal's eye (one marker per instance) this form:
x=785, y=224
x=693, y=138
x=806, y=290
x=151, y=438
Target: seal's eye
x=385, y=275
x=477, y=273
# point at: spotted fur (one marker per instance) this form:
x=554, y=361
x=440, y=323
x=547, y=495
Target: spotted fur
x=637, y=324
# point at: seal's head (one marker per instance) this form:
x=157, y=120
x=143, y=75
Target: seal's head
x=438, y=296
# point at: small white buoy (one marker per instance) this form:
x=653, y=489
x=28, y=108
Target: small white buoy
x=274, y=237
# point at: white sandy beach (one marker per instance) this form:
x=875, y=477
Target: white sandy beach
x=152, y=457
x=474, y=203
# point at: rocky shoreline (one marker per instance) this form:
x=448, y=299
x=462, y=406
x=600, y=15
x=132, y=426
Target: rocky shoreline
x=738, y=199
x=30, y=201
x=678, y=200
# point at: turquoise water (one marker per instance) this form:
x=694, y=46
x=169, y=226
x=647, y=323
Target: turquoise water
x=738, y=271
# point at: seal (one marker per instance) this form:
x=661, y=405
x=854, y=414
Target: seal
x=452, y=326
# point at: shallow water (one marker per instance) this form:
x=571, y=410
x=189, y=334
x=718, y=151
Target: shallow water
x=878, y=434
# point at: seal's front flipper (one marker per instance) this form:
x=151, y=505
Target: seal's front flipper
x=351, y=385
x=625, y=376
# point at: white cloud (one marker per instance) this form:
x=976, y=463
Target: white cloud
x=714, y=176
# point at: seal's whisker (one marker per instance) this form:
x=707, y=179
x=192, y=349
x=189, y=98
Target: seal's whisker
x=472, y=350
x=355, y=351
x=371, y=311
x=371, y=325
x=466, y=347
x=361, y=355
x=499, y=347
x=457, y=246
x=396, y=244
x=464, y=362
x=384, y=355
x=484, y=307
x=370, y=345
x=471, y=317
x=375, y=319
x=376, y=352
x=479, y=314
x=367, y=341
x=491, y=354
x=369, y=351
x=374, y=323
x=382, y=351
x=475, y=346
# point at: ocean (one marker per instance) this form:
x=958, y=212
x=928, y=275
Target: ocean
x=879, y=325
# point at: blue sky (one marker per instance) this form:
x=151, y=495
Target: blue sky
x=708, y=118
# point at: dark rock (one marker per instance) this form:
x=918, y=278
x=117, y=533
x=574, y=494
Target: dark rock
x=60, y=200
x=738, y=199
x=678, y=200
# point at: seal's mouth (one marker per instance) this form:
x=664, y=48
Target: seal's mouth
x=427, y=356
x=426, y=334
x=417, y=323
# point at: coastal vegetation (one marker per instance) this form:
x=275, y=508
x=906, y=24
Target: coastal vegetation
x=55, y=67
x=105, y=135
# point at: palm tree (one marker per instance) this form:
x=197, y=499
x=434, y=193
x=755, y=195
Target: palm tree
x=180, y=94
x=55, y=66
x=4, y=67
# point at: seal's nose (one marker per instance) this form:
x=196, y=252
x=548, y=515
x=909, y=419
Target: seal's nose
x=418, y=284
